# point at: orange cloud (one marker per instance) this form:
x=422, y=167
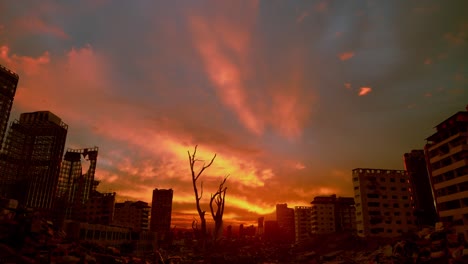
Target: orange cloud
x=346, y=55
x=347, y=85
x=321, y=6
x=459, y=37
x=224, y=73
x=224, y=49
x=29, y=65
x=36, y=25
x=302, y=16
x=364, y=91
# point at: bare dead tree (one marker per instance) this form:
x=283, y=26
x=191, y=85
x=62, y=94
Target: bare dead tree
x=198, y=195
x=218, y=199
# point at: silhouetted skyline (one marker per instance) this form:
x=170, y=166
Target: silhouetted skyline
x=290, y=95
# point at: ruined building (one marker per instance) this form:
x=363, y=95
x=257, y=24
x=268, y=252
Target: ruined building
x=75, y=187
x=8, y=84
x=424, y=209
x=331, y=214
x=161, y=212
x=134, y=215
x=447, y=160
x=383, y=200
x=30, y=163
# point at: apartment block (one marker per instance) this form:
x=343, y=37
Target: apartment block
x=303, y=222
x=383, y=200
x=331, y=214
x=323, y=214
x=98, y=209
x=447, y=161
x=134, y=215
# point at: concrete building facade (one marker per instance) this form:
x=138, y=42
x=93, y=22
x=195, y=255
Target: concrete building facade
x=98, y=209
x=134, y=215
x=303, y=222
x=383, y=200
x=331, y=214
x=323, y=214
x=424, y=209
x=447, y=160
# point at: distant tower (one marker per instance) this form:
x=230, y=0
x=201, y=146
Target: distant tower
x=161, y=210
x=415, y=165
x=31, y=159
x=8, y=84
x=285, y=219
x=260, y=222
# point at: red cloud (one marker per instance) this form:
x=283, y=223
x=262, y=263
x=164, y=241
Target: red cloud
x=364, y=90
x=301, y=17
x=28, y=65
x=346, y=55
x=459, y=37
x=34, y=24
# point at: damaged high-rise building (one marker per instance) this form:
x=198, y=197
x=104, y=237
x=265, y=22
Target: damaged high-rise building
x=8, y=84
x=75, y=186
x=30, y=163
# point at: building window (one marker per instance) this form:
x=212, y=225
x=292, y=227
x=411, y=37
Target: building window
x=392, y=179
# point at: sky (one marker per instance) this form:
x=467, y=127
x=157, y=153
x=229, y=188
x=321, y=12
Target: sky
x=290, y=95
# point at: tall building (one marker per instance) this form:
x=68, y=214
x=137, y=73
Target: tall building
x=74, y=186
x=323, y=214
x=31, y=159
x=134, y=215
x=345, y=215
x=260, y=222
x=447, y=161
x=331, y=214
x=383, y=201
x=272, y=231
x=303, y=222
x=285, y=219
x=415, y=166
x=8, y=84
x=161, y=211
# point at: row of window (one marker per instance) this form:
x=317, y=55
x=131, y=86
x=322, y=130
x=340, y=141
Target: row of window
x=378, y=213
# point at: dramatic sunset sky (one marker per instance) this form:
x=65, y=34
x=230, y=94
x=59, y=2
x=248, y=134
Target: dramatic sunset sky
x=291, y=95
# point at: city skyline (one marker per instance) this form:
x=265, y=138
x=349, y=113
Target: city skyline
x=290, y=96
